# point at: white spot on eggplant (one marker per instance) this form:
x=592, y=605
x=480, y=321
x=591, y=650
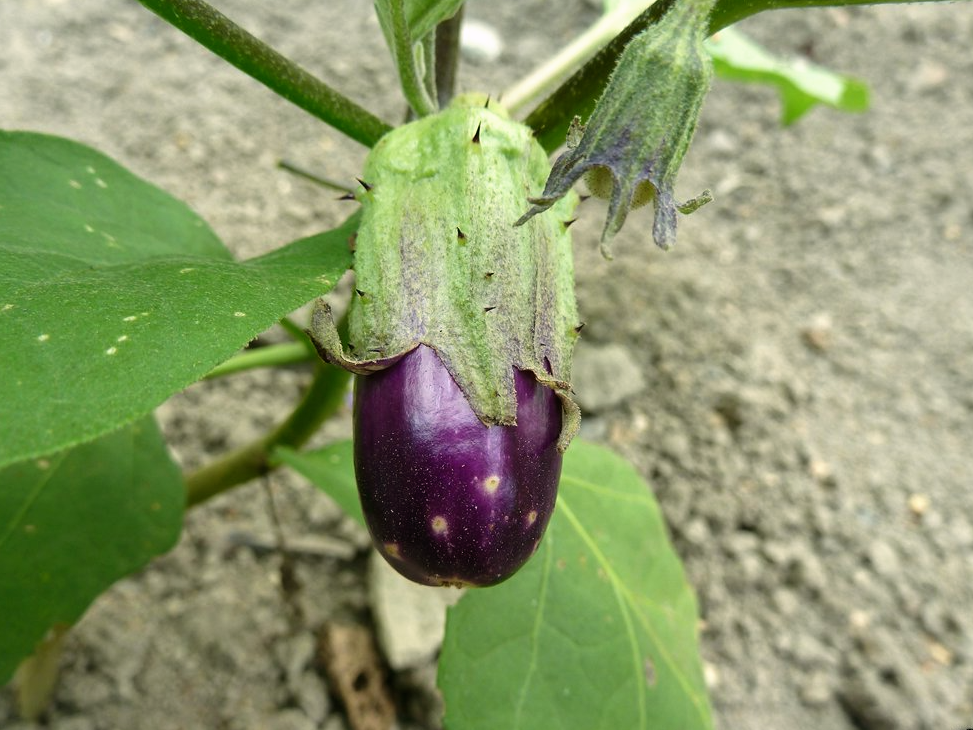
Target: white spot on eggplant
x=439, y=524
x=531, y=517
x=43, y=338
x=392, y=550
x=491, y=484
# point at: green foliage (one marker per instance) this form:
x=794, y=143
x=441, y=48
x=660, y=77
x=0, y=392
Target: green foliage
x=74, y=523
x=598, y=630
x=116, y=295
x=802, y=85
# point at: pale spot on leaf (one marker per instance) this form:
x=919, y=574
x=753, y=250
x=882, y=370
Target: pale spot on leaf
x=43, y=338
x=111, y=350
x=122, y=338
x=239, y=314
x=100, y=183
x=6, y=307
x=89, y=228
x=186, y=270
x=74, y=184
x=90, y=170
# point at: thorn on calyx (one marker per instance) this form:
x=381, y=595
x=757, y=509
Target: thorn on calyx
x=486, y=104
x=577, y=330
x=460, y=235
x=364, y=184
x=351, y=347
x=489, y=309
x=347, y=196
x=582, y=198
x=488, y=275
x=476, y=134
x=360, y=293
x=567, y=224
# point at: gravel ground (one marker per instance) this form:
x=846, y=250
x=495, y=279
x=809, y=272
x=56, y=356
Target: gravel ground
x=794, y=378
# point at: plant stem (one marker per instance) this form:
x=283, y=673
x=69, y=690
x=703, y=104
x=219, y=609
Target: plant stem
x=324, y=182
x=578, y=94
x=405, y=58
x=727, y=12
x=447, y=56
x=222, y=36
x=322, y=399
x=542, y=78
x=289, y=353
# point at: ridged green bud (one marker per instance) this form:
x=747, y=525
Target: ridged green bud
x=439, y=262
x=639, y=131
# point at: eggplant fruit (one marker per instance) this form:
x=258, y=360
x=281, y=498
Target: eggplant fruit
x=447, y=499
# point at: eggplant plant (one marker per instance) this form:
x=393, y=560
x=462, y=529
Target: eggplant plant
x=459, y=335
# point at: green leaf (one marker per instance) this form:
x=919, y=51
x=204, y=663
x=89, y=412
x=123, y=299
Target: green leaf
x=332, y=470
x=73, y=523
x=422, y=16
x=802, y=85
x=598, y=630
x=114, y=295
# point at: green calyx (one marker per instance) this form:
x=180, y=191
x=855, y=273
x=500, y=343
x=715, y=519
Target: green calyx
x=439, y=262
x=642, y=125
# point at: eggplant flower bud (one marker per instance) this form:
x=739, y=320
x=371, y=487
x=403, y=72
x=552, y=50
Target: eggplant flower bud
x=641, y=127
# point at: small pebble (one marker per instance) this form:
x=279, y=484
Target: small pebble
x=480, y=42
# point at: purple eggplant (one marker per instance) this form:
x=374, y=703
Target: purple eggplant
x=448, y=500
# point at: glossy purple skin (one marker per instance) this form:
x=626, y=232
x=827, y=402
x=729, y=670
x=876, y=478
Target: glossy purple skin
x=449, y=501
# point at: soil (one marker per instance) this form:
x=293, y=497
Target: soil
x=802, y=402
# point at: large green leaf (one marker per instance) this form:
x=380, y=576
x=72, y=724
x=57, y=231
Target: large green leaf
x=598, y=630
x=802, y=85
x=73, y=523
x=114, y=295
x=332, y=470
